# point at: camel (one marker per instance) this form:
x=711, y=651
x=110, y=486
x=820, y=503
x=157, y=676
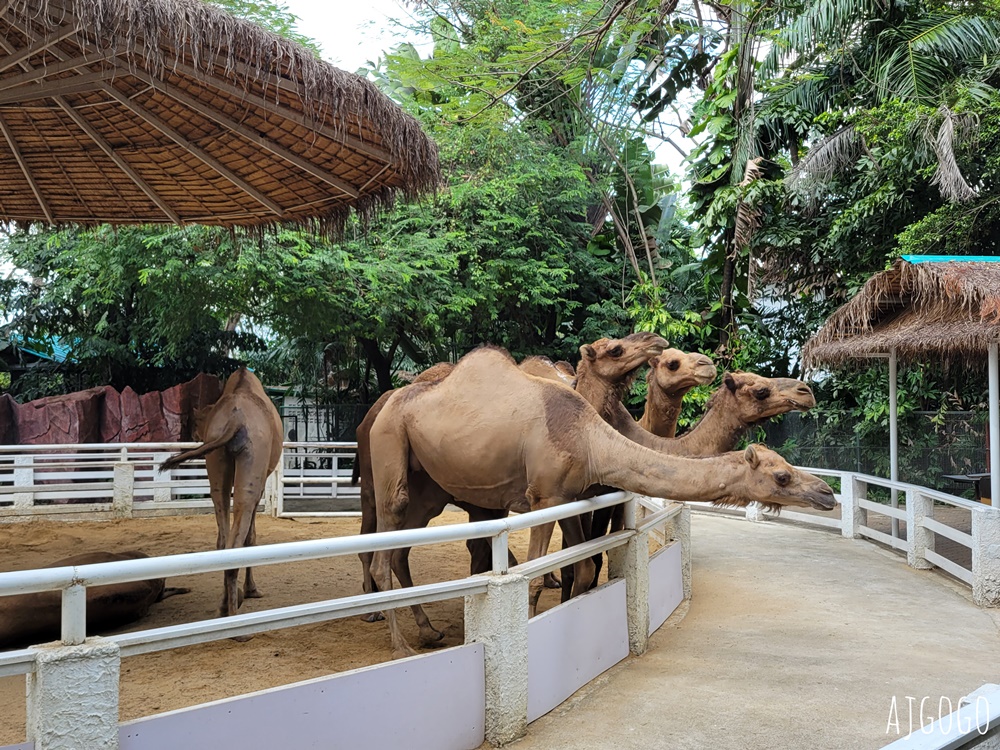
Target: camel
x=479, y=549
x=242, y=445
x=671, y=375
x=495, y=437
x=744, y=400
x=30, y=619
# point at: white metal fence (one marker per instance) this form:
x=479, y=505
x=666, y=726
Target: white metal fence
x=56, y=710
x=122, y=480
x=925, y=535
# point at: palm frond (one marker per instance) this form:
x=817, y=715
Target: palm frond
x=928, y=52
x=948, y=177
x=824, y=160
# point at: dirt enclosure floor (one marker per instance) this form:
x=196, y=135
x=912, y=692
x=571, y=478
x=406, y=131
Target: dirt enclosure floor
x=167, y=680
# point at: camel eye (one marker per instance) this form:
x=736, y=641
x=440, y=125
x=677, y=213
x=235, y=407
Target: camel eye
x=673, y=364
x=782, y=478
x=762, y=393
x=615, y=352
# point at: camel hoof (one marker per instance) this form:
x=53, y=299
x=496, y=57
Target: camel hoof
x=429, y=636
x=550, y=581
x=254, y=594
x=403, y=652
x=372, y=617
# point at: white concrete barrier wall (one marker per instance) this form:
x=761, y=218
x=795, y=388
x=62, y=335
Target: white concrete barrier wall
x=428, y=702
x=571, y=644
x=666, y=584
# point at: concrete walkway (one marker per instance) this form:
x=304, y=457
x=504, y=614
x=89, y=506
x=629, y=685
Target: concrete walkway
x=796, y=639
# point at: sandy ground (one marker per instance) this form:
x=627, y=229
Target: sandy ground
x=166, y=680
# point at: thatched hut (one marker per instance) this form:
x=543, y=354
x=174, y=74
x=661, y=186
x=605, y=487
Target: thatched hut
x=923, y=307
x=174, y=111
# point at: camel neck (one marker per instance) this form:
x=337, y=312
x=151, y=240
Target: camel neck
x=661, y=412
x=718, y=431
x=630, y=466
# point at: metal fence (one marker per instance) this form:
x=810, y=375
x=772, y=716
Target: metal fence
x=121, y=480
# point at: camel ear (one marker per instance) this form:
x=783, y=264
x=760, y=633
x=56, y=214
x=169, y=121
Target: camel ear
x=588, y=352
x=730, y=382
x=751, y=457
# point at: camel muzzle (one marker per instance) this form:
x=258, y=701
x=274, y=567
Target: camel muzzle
x=822, y=500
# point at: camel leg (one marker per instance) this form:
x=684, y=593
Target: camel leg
x=391, y=502
x=369, y=522
x=221, y=474
x=583, y=571
x=600, y=526
x=568, y=575
x=250, y=590
x=247, y=491
x=538, y=546
x=427, y=501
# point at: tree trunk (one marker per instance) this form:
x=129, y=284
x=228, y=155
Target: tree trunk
x=380, y=362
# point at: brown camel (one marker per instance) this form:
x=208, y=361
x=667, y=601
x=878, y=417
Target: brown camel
x=744, y=400
x=423, y=486
x=242, y=445
x=30, y=619
x=494, y=437
x=671, y=375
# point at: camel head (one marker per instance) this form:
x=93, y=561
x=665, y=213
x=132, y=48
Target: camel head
x=675, y=372
x=758, y=398
x=775, y=483
x=617, y=360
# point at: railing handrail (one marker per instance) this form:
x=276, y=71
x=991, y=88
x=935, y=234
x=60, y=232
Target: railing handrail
x=100, y=574
x=150, y=447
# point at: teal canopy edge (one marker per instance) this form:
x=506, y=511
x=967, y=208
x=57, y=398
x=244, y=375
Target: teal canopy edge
x=947, y=258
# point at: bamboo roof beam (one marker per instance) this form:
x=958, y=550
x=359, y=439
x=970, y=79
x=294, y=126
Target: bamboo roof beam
x=5, y=131
x=193, y=149
x=120, y=162
x=244, y=132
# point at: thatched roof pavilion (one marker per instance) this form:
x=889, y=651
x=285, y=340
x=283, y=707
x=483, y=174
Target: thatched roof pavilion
x=174, y=111
x=943, y=309
x=924, y=307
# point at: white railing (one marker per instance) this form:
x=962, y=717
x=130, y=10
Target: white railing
x=922, y=528
x=73, y=582
x=97, y=481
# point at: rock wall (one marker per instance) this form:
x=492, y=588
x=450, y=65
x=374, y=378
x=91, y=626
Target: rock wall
x=103, y=415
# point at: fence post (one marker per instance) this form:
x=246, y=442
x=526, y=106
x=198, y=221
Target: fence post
x=631, y=562
x=986, y=556
x=162, y=494
x=123, y=492
x=755, y=513
x=272, y=491
x=918, y=539
x=682, y=533
x=72, y=696
x=852, y=491
x=499, y=620
x=24, y=477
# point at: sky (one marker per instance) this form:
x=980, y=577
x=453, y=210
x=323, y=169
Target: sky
x=351, y=32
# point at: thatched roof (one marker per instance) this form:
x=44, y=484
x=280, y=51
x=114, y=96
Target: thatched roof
x=173, y=111
x=945, y=310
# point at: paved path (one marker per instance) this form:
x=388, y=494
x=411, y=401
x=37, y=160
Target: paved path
x=795, y=639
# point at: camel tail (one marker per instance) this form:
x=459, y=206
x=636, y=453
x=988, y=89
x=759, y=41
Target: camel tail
x=228, y=432
x=356, y=471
